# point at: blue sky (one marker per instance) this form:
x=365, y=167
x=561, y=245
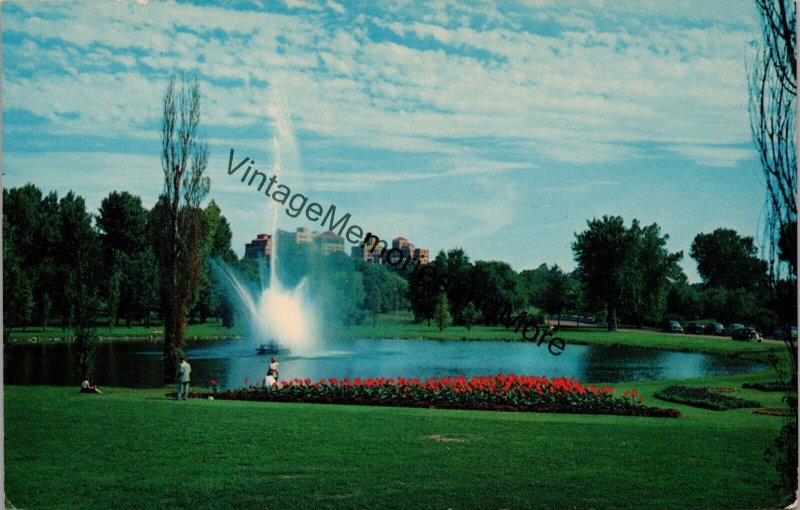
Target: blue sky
x=498, y=127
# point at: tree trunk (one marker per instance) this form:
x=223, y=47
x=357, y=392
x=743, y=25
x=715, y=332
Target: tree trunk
x=611, y=317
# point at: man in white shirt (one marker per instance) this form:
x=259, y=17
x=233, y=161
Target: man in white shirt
x=184, y=371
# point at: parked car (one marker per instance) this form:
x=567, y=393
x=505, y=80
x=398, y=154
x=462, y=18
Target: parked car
x=672, y=327
x=780, y=333
x=694, y=328
x=714, y=328
x=746, y=334
x=732, y=327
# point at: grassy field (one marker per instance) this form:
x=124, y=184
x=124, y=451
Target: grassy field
x=210, y=330
x=402, y=326
x=137, y=449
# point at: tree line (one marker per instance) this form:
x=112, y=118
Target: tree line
x=59, y=257
x=624, y=274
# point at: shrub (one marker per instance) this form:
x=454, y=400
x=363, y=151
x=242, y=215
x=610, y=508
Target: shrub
x=703, y=397
x=767, y=386
x=773, y=411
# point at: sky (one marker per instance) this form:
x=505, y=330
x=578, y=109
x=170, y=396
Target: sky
x=499, y=127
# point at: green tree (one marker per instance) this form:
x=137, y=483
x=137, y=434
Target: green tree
x=456, y=268
x=441, y=314
x=725, y=259
x=648, y=275
x=18, y=297
x=422, y=289
x=560, y=291
x=602, y=253
x=532, y=282
x=471, y=315
x=184, y=159
x=113, y=297
x=684, y=300
x=145, y=287
x=384, y=290
x=122, y=221
x=215, y=244
x=495, y=290
x=80, y=263
x=26, y=247
x=45, y=276
x=47, y=306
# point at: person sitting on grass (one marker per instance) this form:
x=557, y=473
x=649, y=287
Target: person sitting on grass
x=86, y=386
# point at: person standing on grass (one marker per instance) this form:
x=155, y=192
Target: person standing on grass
x=272, y=373
x=183, y=376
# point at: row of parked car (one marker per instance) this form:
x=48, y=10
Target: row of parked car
x=735, y=330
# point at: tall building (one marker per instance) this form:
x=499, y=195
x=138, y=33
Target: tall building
x=409, y=250
x=327, y=242
x=422, y=254
x=260, y=247
x=379, y=252
x=370, y=252
x=405, y=246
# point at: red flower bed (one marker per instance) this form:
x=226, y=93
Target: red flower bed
x=501, y=393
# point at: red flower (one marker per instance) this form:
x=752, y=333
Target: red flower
x=633, y=393
x=213, y=382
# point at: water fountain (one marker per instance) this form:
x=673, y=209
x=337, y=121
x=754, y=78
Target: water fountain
x=277, y=314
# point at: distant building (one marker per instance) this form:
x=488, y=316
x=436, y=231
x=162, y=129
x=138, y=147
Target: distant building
x=378, y=252
x=327, y=242
x=405, y=246
x=303, y=236
x=422, y=254
x=371, y=252
x=260, y=247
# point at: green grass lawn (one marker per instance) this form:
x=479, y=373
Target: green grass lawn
x=210, y=330
x=136, y=449
x=401, y=325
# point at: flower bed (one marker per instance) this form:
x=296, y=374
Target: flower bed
x=500, y=393
x=765, y=386
x=704, y=397
x=773, y=411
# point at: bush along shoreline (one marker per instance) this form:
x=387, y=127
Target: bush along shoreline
x=502, y=392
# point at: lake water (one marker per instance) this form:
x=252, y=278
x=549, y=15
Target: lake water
x=234, y=360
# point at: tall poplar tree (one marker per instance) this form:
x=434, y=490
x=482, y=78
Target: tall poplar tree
x=184, y=158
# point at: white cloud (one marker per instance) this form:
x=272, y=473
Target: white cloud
x=713, y=155
x=577, y=96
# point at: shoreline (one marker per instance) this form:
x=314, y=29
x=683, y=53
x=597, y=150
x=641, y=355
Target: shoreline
x=396, y=327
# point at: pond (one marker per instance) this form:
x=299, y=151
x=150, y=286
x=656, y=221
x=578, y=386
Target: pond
x=231, y=361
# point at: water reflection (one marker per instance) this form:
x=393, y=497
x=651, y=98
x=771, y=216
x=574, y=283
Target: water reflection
x=232, y=361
